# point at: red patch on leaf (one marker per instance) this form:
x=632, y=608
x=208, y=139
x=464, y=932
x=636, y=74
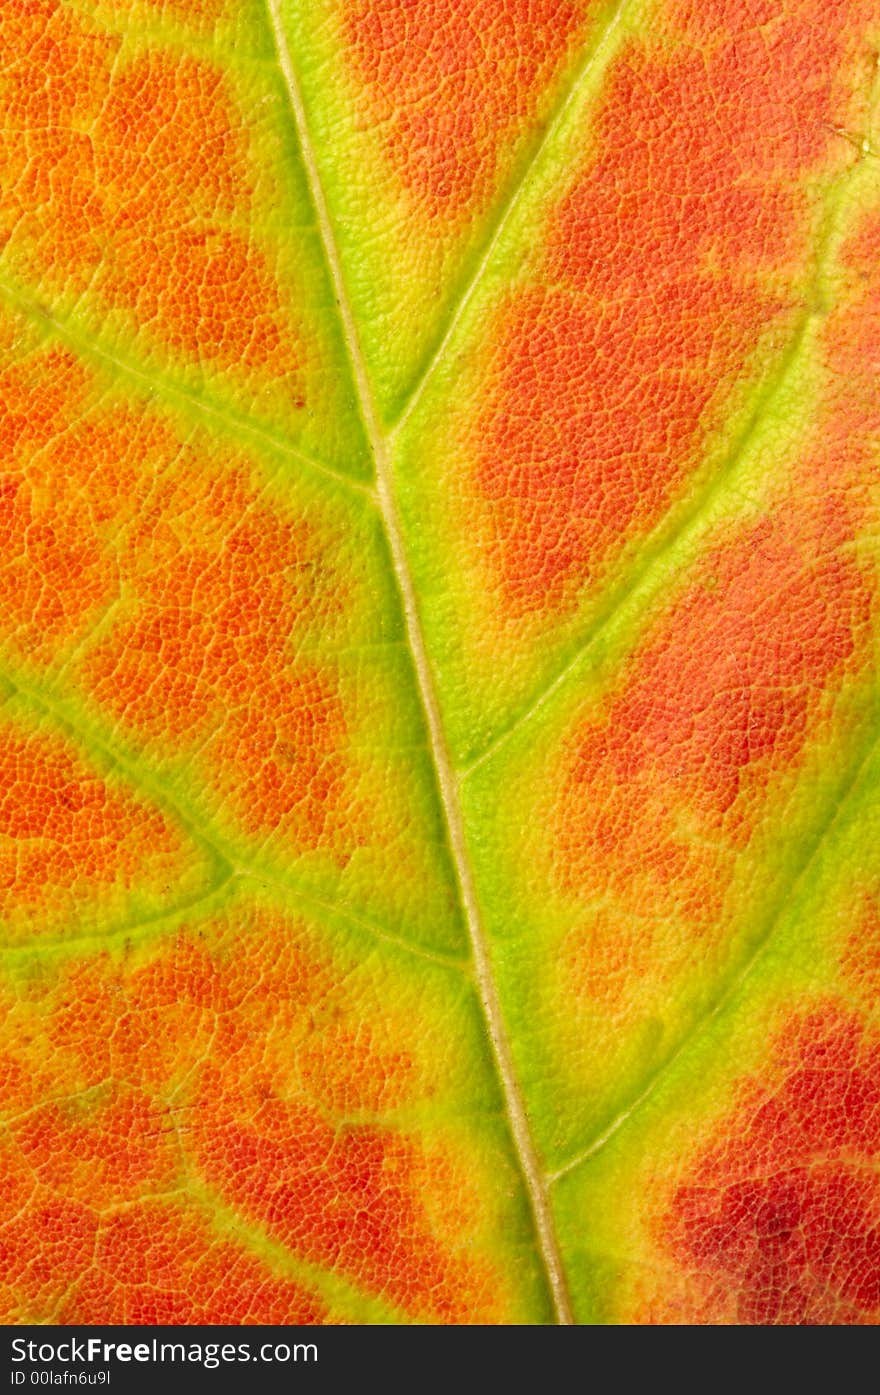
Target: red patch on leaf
x=664, y=267
x=779, y=1221
x=666, y=785
x=156, y=1265
x=151, y=1262
x=343, y=1196
x=451, y=81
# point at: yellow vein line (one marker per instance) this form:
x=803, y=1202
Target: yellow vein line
x=447, y=782
x=90, y=348
x=732, y=986
x=114, y=934
x=593, y=55
x=322, y=908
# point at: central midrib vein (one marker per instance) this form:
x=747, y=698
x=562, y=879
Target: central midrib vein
x=533, y=1174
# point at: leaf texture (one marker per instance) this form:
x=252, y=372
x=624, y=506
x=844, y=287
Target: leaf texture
x=439, y=504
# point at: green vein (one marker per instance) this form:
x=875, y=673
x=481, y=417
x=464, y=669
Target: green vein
x=321, y=908
x=154, y=382
x=727, y=989
x=523, y=1144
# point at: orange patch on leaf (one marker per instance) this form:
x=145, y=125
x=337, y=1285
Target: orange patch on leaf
x=153, y=1262
x=158, y=1265
x=123, y=178
x=778, y=1221
x=64, y=485
x=123, y=1142
x=664, y=267
x=451, y=81
x=103, y=505
x=219, y=1039
x=227, y=585
x=65, y=834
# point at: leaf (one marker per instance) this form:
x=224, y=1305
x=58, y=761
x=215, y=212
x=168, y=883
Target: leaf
x=438, y=596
